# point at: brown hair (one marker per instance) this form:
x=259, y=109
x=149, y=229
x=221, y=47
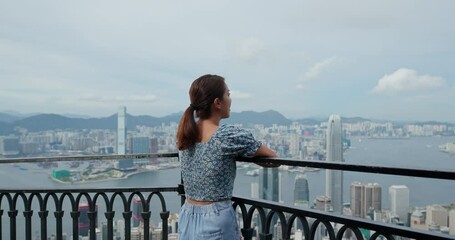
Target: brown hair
x=203, y=92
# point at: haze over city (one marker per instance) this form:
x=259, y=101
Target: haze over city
x=375, y=59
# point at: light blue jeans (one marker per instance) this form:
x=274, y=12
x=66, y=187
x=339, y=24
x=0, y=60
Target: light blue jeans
x=216, y=221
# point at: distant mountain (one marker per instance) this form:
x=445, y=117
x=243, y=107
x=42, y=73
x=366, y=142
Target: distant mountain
x=250, y=117
x=8, y=118
x=42, y=122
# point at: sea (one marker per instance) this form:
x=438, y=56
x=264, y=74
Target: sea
x=414, y=152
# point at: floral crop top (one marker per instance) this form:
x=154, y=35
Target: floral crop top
x=209, y=169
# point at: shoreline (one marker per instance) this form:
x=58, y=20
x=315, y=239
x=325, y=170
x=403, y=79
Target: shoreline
x=126, y=176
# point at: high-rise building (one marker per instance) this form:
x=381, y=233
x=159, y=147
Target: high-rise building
x=357, y=190
x=137, y=212
x=9, y=146
x=372, y=198
x=254, y=190
x=270, y=184
x=121, y=139
x=121, y=131
x=140, y=145
x=399, y=202
x=301, y=192
x=154, y=145
x=84, y=220
x=334, y=149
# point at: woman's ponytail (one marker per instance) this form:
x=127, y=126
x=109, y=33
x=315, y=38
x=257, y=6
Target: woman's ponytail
x=188, y=132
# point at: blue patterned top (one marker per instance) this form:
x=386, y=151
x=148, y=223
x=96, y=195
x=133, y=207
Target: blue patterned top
x=208, y=168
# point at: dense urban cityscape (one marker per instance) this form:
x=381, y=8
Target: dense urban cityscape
x=297, y=141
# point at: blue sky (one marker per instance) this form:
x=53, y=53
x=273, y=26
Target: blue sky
x=375, y=59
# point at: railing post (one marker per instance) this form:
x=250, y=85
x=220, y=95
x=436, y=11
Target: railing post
x=43, y=217
x=127, y=217
x=164, y=218
x=28, y=224
x=110, y=224
x=59, y=222
x=181, y=193
x=247, y=233
x=12, y=215
x=75, y=216
x=146, y=218
x=92, y=217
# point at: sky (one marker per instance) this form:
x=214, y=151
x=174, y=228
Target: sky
x=387, y=59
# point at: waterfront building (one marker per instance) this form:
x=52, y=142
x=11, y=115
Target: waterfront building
x=334, y=151
x=437, y=215
x=9, y=146
x=140, y=145
x=399, y=202
x=301, y=191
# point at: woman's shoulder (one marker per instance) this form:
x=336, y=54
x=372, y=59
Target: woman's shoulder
x=229, y=130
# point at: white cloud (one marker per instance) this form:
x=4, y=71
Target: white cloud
x=249, y=49
x=316, y=70
x=121, y=99
x=407, y=80
x=240, y=95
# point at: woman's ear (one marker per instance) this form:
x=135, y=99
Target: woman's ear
x=217, y=103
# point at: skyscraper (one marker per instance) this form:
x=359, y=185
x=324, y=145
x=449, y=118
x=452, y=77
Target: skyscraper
x=301, y=192
x=334, y=149
x=121, y=138
x=357, y=199
x=270, y=184
x=137, y=212
x=364, y=198
x=372, y=195
x=121, y=131
x=399, y=202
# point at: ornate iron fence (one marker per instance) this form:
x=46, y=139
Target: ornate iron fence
x=63, y=201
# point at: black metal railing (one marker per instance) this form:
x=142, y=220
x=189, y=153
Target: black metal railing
x=62, y=201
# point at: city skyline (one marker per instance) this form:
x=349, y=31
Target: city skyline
x=378, y=60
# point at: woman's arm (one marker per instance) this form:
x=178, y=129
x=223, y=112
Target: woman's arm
x=264, y=151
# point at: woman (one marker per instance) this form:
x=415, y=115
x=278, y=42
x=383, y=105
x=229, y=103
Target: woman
x=207, y=153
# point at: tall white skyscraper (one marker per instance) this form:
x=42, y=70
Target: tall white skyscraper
x=399, y=202
x=334, y=149
x=121, y=131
